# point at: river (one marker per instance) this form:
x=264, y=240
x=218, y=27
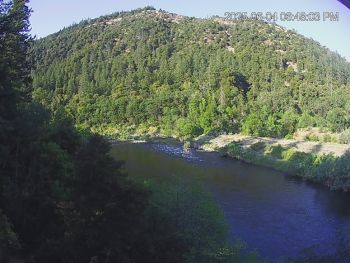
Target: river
x=275, y=214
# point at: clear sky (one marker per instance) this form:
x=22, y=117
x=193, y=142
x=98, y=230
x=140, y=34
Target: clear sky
x=50, y=16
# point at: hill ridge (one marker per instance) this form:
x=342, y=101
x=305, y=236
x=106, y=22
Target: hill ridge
x=185, y=76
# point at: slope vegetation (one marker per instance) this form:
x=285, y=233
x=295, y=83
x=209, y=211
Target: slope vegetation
x=149, y=71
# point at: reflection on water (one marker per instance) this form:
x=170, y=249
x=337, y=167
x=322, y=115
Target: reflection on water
x=276, y=214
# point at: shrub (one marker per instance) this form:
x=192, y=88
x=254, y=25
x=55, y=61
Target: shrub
x=288, y=154
x=326, y=169
x=306, y=120
x=258, y=147
x=312, y=137
x=288, y=137
x=187, y=129
x=253, y=125
x=274, y=150
x=337, y=120
x=234, y=149
x=181, y=211
x=327, y=138
x=345, y=137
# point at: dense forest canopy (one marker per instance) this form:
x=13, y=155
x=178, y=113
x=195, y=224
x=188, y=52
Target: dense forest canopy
x=154, y=71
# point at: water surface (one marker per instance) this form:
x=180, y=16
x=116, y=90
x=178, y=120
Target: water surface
x=273, y=213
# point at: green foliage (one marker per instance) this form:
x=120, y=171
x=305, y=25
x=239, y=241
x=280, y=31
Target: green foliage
x=306, y=120
x=312, y=137
x=140, y=69
x=258, y=147
x=265, y=123
x=328, y=138
x=183, y=216
x=345, y=137
x=326, y=169
x=187, y=129
x=62, y=196
x=253, y=125
x=9, y=243
x=192, y=217
x=289, y=121
x=337, y=120
x=274, y=150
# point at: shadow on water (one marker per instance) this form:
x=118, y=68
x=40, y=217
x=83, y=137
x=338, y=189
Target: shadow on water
x=277, y=214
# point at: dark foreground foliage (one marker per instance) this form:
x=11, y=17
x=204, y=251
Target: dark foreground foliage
x=64, y=199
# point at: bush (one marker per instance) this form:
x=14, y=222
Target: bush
x=345, y=137
x=9, y=242
x=253, y=125
x=182, y=212
x=234, y=149
x=289, y=122
x=306, y=120
x=274, y=150
x=187, y=129
x=288, y=137
x=327, y=138
x=288, y=154
x=258, y=147
x=337, y=120
x=312, y=137
x=326, y=169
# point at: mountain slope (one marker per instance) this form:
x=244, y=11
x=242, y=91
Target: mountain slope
x=153, y=71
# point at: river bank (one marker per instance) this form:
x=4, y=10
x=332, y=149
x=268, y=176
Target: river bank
x=324, y=163
x=211, y=143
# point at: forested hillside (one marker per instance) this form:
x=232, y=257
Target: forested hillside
x=63, y=198
x=150, y=71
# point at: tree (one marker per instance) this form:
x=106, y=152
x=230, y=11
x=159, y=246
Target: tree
x=9, y=243
x=14, y=72
x=337, y=120
x=289, y=121
x=123, y=77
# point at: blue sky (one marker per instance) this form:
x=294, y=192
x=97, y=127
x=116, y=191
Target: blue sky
x=51, y=16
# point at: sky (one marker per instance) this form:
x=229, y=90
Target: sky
x=50, y=16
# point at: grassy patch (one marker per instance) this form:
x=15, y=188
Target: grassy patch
x=326, y=169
